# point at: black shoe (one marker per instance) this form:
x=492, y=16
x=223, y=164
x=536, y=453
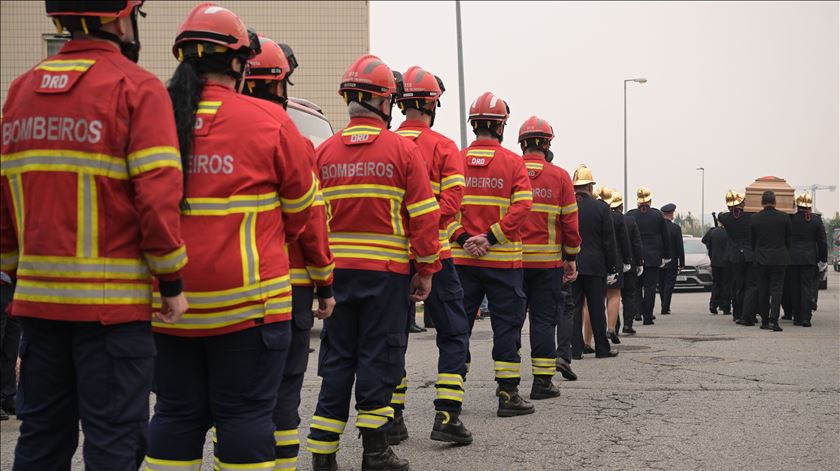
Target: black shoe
x=543, y=388
x=806, y=324
x=414, y=328
x=613, y=337
x=637, y=317
x=765, y=326
x=728, y=313
x=739, y=322
x=377, y=455
x=665, y=312
x=748, y=324
x=511, y=403
x=587, y=349
x=3, y=415
x=577, y=357
x=8, y=405
x=628, y=330
x=398, y=432
x=775, y=327
x=713, y=310
x=797, y=323
x=565, y=370
x=486, y=314
x=609, y=354
x=324, y=462
x=647, y=323
x=787, y=318
x=653, y=318
x=449, y=428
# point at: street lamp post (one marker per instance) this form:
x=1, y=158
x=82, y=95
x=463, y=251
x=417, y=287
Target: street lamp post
x=702, y=197
x=637, y=80
x=462, y=102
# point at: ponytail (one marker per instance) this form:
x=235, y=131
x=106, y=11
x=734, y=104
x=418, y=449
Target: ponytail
x=185, y=88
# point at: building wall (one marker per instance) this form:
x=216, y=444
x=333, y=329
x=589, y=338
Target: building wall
x=326, y=37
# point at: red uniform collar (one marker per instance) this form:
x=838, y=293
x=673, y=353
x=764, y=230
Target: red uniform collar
x=414, y=123
x=76, y=45
x=485, y=143
x=363, y=121
x=534, y=158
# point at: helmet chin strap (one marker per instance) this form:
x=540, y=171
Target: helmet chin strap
x=264, y=94
x=378, y=112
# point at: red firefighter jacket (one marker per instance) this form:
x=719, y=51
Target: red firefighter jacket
x=249, y=190
x=551, y=229
x=91, y=180
x=496, y=202
x=310, y=258
x=446, y=174
x=379, y=200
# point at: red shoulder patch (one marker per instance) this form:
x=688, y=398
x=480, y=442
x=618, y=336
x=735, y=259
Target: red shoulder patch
x=59, y=76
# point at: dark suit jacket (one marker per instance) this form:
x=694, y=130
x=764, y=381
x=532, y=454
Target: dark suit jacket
x=622, y=239
x=808, y=244
x=654, y=235
x=635, y=240
x=597, y=248
x=717, y=244
x=677, y=247
x=770, y=233
x=738, y=231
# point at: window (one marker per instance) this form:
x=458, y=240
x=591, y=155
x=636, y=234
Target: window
x=53, y=43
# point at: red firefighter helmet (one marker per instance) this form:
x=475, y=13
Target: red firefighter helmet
x=104, y=9
x=368, y=74
x=489, y=107
x=211, y=24
x=536, y=128
x=420, y=84
x=270, y=64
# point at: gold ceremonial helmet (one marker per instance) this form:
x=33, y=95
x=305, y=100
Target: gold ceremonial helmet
x=617, y=200
x=596, y=192
x=803, y=200
x=607, y=194
x=730, y=197
x=739, y=198
x=583, y=176
x=643, y=195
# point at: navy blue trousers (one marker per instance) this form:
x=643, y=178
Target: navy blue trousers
x=229, y=381
x=363, y=342
x=506, y=300
x=99, y=374
x=544, y=291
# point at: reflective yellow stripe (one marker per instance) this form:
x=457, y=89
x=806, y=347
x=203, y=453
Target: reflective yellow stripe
x=319, y=199
x=450, y=379
x=551, y=224
x=87, y=216
x=69, y=65
x=222, y=466
x=286, y=437
x=543, y=361
x=75, y=268
x=320, y=273
x=296, y=205
x=545, y=208
x=169, y=263
x=83, y=293
x=16, y=188
x=49, y=160
x=155, y=464
x=370, y=421
x=481, y=200
x=569, y=209
x=534, y=165
x=248, y=249
x=521, y=196
x=491, y=256
x=356, y=130
x=8, y=261
x=321, y=447
x=244, y=294
x=236, y=204
x=272, y=307
x=370, y=253
x=480, y=152
x=285, y=463
x=300, y=276
x=571, y=250
x=327, y=424
x=536, y=248
x=506, y=369
x=396, y=218
x=398, y=398
x=450, y=229
x=152, y=158
x=452, y=181
x=497, y=231
x=365, y=238
x=408, y=133
x=363, y=191
x=541, y=257
x=422, y=207
x=449, y=394
x=208, y=107
x=427, y=258
x=403, y=383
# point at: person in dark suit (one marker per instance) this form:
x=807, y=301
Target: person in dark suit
x=668, y=275
x=628, y=292
x=770, y=238
x=716, y=243
x=624, y=254
x=808, y=249
x=737, y=225
x=657, y=250
x=596, y=265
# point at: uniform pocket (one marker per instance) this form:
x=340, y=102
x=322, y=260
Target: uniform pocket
x=276, y=338
x=395, y=346
x=303, y=320
x=131, y=350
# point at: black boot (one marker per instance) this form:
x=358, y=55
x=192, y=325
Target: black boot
x=511, y=403
x=543, y=388
x=565, y=369
x=613, y=336
x=399, y=432
x=414, y=328
x=324, y=462
x=377, y=455
x=449, y=428
x=774, y=326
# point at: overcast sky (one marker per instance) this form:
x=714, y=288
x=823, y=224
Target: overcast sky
x=742, y=89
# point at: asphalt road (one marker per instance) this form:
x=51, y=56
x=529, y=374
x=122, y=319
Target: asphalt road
x=695, y=391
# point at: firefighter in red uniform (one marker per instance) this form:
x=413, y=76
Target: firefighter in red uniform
x=381, y=209
x=419, y=100
x=309, y=257
x=550, y=241
x=249, y=188
x=489, y=251
x=90, y=190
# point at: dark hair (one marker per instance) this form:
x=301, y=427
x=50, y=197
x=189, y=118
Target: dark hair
x=768, y=197
x=185, y=89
